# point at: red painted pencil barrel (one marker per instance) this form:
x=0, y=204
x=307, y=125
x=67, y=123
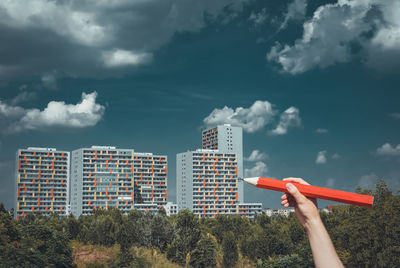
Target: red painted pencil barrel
x=318, y=192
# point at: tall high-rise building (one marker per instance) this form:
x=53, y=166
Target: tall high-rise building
x=224, y=138
x=42, y=181
x=104, y=176
x=227, y=139
x=207, y=179
x=207, y=182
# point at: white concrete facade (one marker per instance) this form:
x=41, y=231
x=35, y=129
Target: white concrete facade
x=275, y=212
x=250, y=209
x=106, y=176
x=42, y=181
x=227, y=139
x=171, y=209
x=207, y=179
x=207, y=182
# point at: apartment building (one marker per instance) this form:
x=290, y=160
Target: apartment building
x=106, y=176
x=207, y=182
x=276, y=212
x=207, y=179
x=171, y=209
x=42, y=181
x=249, y=209
x=227, y=139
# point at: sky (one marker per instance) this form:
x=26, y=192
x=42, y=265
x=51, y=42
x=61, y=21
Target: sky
x=313, y=84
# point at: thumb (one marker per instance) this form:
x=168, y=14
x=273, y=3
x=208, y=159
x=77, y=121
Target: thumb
x=294, y=192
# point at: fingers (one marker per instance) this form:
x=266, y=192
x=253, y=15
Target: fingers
x=287, y=203
x=288, y=200
x=294, y=192
x=298, y=180
x=285, y=200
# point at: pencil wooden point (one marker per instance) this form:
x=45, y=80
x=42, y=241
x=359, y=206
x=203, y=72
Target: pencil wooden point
x=252, y=181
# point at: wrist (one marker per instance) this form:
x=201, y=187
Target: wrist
x=313, y=224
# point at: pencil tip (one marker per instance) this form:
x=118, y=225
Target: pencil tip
x=252, y=181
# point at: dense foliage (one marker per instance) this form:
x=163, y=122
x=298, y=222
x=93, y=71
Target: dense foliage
x=363, y=237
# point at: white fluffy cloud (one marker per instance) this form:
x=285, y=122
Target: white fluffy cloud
x=321, y=157
x=289, y=119
x=256, y=155
x=388, y=150
x=255, y=118
x=336, y=156
x=296, y=10
x=57, y=114
x=258, y=170
x=334, y=28
x=251, y=119
x=10, y=112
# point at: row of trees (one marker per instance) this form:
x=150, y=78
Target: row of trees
x=364, y=237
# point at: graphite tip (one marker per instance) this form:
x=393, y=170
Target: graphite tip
x=252, y=181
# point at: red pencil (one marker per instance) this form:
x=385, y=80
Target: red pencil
x=313, y=191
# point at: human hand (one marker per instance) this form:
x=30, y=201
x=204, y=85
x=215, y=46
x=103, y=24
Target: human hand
x=324, y=253
x=306, y=208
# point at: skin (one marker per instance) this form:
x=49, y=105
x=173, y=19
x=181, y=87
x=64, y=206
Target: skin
x=324, y=253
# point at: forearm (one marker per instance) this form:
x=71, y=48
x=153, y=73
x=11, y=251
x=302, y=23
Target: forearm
x=322, y=248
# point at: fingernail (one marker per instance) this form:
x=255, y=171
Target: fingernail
x=289, y=186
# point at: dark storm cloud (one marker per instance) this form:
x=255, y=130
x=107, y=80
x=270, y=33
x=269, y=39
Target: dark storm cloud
x=93, y=38
x=37, y=51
